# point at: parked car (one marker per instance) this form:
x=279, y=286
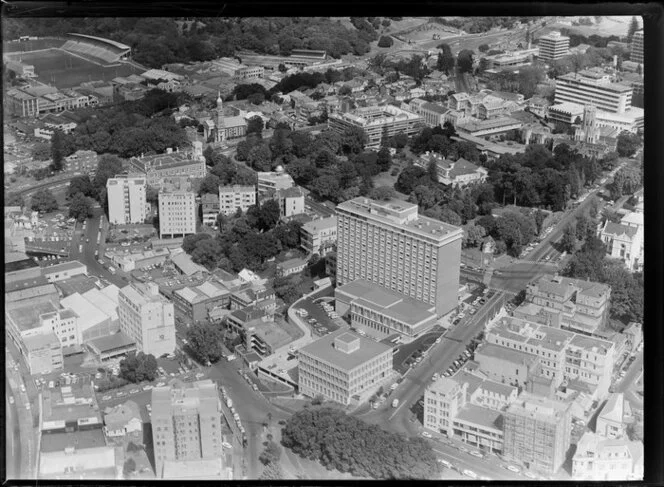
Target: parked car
x=470, y=474
x=426, y=434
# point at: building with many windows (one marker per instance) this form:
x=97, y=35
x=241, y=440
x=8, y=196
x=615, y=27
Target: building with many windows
x=381, y=312
x=236, y=196
x=553, y=46
x=186, y=424
x=319, y=236
x=147, y=318
x=589, y=87
x=126, y=200
x=469, y=408
x=636, y=48
x=583, y=362
x=562, y=302
x=210, y=208
x=195, y=303
x=431, y=113
x=388, y=243
x=614, y=417
x=157, y=168
x=624, y=242
x=273, y=181
x=605, y=459
x=343, y=367
x=177, y=208
x=537, y=432
x=377, y=122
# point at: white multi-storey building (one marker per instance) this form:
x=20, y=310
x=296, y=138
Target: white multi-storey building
x=126, y=200
x=388, y=243
x=236, y=196
x=342, y=365
x=147, y=318
x=177, y=208
x=624, y=242
x=318, y=236
x=603, y=459
x=636, y=51
x=589, y=87
x=553, y=46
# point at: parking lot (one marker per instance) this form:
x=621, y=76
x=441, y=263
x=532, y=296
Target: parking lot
x=317, y=317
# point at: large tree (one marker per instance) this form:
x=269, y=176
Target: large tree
x=57, y=150
x=80, y=207
x=353, y=140
x=205, y=341
x=81, y=184
x=138, y=367
x=465, y=61
x=43, y=201
x=108, y=166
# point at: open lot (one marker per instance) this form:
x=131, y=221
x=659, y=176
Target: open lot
x=64, y=70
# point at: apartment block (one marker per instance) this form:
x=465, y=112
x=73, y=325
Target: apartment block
x=381, y=312
x=388, y=243
x=377, y=122
x=624, y=240
x=126, y=200
x=186, y=424
x=343, y=367
x=553, y=46
x=177, y=209
x=572, y=304
x=236, y=196
x=537, y=432
x=291, y=201
x=563, y=355
x=147, y=318
x=431, y=113
x=195, y=303
x=319, y=236
x=468, y=407
x=590, y=87
x=210, y=208
x=636, y=48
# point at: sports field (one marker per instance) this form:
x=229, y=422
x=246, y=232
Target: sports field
x=64, y=70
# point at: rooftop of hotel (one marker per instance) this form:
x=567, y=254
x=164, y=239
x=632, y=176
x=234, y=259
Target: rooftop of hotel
x=324, y=349
x=402, y=214
x=391, y=303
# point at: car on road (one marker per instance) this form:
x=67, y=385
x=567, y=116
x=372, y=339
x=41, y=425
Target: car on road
x=470, y=474
x=11, y=400
x=120, y=394
x=530, y=475
x=464, y=449
x=426, y=434
x=148, y=407
x=226, y=445
x=476, y=454
x=512, y=468
x=437, y=340
x=147, y=387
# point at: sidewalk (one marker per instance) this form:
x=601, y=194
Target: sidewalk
x=29, y=455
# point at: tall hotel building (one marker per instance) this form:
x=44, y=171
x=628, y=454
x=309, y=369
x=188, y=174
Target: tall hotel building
x=377, y=122
x=636, y=52
x=553, y=46
x=126, y=200
x=186, y=424
x=388, y=243
x=147, y=317
x=592, y=88
x=177, y=208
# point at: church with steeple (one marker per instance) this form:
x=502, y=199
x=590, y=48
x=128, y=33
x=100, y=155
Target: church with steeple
x=220, y=129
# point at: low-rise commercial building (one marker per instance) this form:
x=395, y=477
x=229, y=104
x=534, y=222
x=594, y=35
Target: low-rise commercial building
x=60, y=272
x=290, y=266
x=291, y=201
x=381, y=312
x=210, y=208
x=96, y=310
x=195, y=303
x=460, y=172
x=273, y=181
x=624, y=242
x=111, y=346
x=614, y=417
x=343, y=367
x=123, y=423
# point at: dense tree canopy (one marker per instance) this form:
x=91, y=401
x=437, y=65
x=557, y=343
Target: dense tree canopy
x=350, y=445
x=205, y=341
x=43, y=201
x=80, y=207
x=139, y=367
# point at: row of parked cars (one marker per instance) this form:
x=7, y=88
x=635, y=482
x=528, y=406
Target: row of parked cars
x=457, y=364
x=236, y=417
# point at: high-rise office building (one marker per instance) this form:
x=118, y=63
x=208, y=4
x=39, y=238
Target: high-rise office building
x=186, y=424
x=147, y=318
x=636, y=51
x=177, y=208
x=553, y=46
x=126, y=200
x=591, y=87
x=388, y=243
x=537, y=432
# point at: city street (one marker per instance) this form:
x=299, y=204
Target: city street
x=12, y=435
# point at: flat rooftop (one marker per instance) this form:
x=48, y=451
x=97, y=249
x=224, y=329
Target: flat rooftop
x=483, y=417
x=56, y=442
x=388, y=302
x=111, y=342
x=323, y=349
x=504, y=353
x=27, y=317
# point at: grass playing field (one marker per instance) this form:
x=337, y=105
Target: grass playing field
x=64, y=70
